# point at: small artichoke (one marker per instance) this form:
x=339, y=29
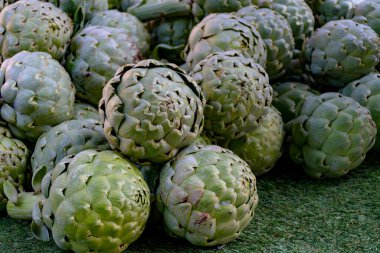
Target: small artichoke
x=366, y=91
x=368, y=12
x=236, y=89
x=96, y=53
x=331, y=135
x=67, y=138
x=207, y=194
x=342, y=51
x=32, y=25
x=96, y=202
x=83, y=111
x=262, y=147
x=224, y=32
x=151, y=110
x=37, y=93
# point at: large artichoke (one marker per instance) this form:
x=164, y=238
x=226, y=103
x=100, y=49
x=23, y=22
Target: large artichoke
x=96, y=202
x=366, y=91
x=277, y=34
x=151, y=110
x=224, y=32
x=262, y=147
x=236, y=89
x=95, y=55
x=37, y=93
x=331, y=135
x=342, y=51
x=32, y=25
x=368, y=12
x=207, y=195
x=328, y=10
x=67, y=138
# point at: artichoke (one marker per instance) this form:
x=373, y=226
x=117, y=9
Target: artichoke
x=368, y=12
x=224, y=32
x=37, y=93
x=95, y=55
x=366, y=91
x=14, y=158
x=96, y=202
x=67, y=138
x=207, y=195
x=32, y=25
x=84, y=111
x=151, y=110
x=237, y=91
x=342, y=51
x=262, y=147
x=277, y=34
x=299, y=16
x=131, y=25
x=328, y=10
x=331, y=135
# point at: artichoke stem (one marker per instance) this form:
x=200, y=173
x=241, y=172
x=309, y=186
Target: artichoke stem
x=156, y=10
x=23, y=208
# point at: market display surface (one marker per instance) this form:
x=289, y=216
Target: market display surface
x=189, y=126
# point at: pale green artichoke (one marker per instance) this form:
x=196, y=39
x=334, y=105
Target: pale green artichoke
x=328, y=10
x=262, y=147
x=151, y=110
x=96, y=53
x=67, y=138
x=37, y=93
x=84, y=111
x=32, y=25
x=207, y=195
x=368, y=12
x=131, y=25
x=366, y=91
x=224, y=32
x=96, y=202
x=277, y=34
x=236, y=89
x=331, y=135
x=342, y=51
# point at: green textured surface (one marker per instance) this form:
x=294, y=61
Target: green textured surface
x=295, y=214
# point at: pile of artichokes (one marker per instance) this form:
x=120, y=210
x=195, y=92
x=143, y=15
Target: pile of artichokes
x=117, y=115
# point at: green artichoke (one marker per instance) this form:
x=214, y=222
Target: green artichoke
x=96, y=202
x=32, y=25
x=84, y=111
x=224, y=32
x=151, y=110
x=366, y=91
x=342, y=51
x=262, y=147
x=96, y=53
x=368, y=12
x=299, y=16
x=236, y=89
x=331, y=135
x=131, y=25
x=288, y=96
x=207, y=195
x=67, y=138
x=14, y=158
x=277, y=34
x=328, y=10
x=37, y=93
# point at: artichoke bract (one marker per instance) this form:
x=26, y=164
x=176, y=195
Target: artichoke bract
x=277, y=34
x=236, y=89
x=331, y=135
x=368, y=12
x=207, y=194
x=14, y=157
x=34, y=26
x=151, y=110
x=84, y=111
x=262, y=147
x=37, y=93
x=224, y=32
x=96, y=53
x=67, y=138
x=366, y=91
x=342, y=51
x=132, y=26
x=96, y=202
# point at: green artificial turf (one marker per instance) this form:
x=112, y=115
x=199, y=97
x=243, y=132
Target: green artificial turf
x=295, y=214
